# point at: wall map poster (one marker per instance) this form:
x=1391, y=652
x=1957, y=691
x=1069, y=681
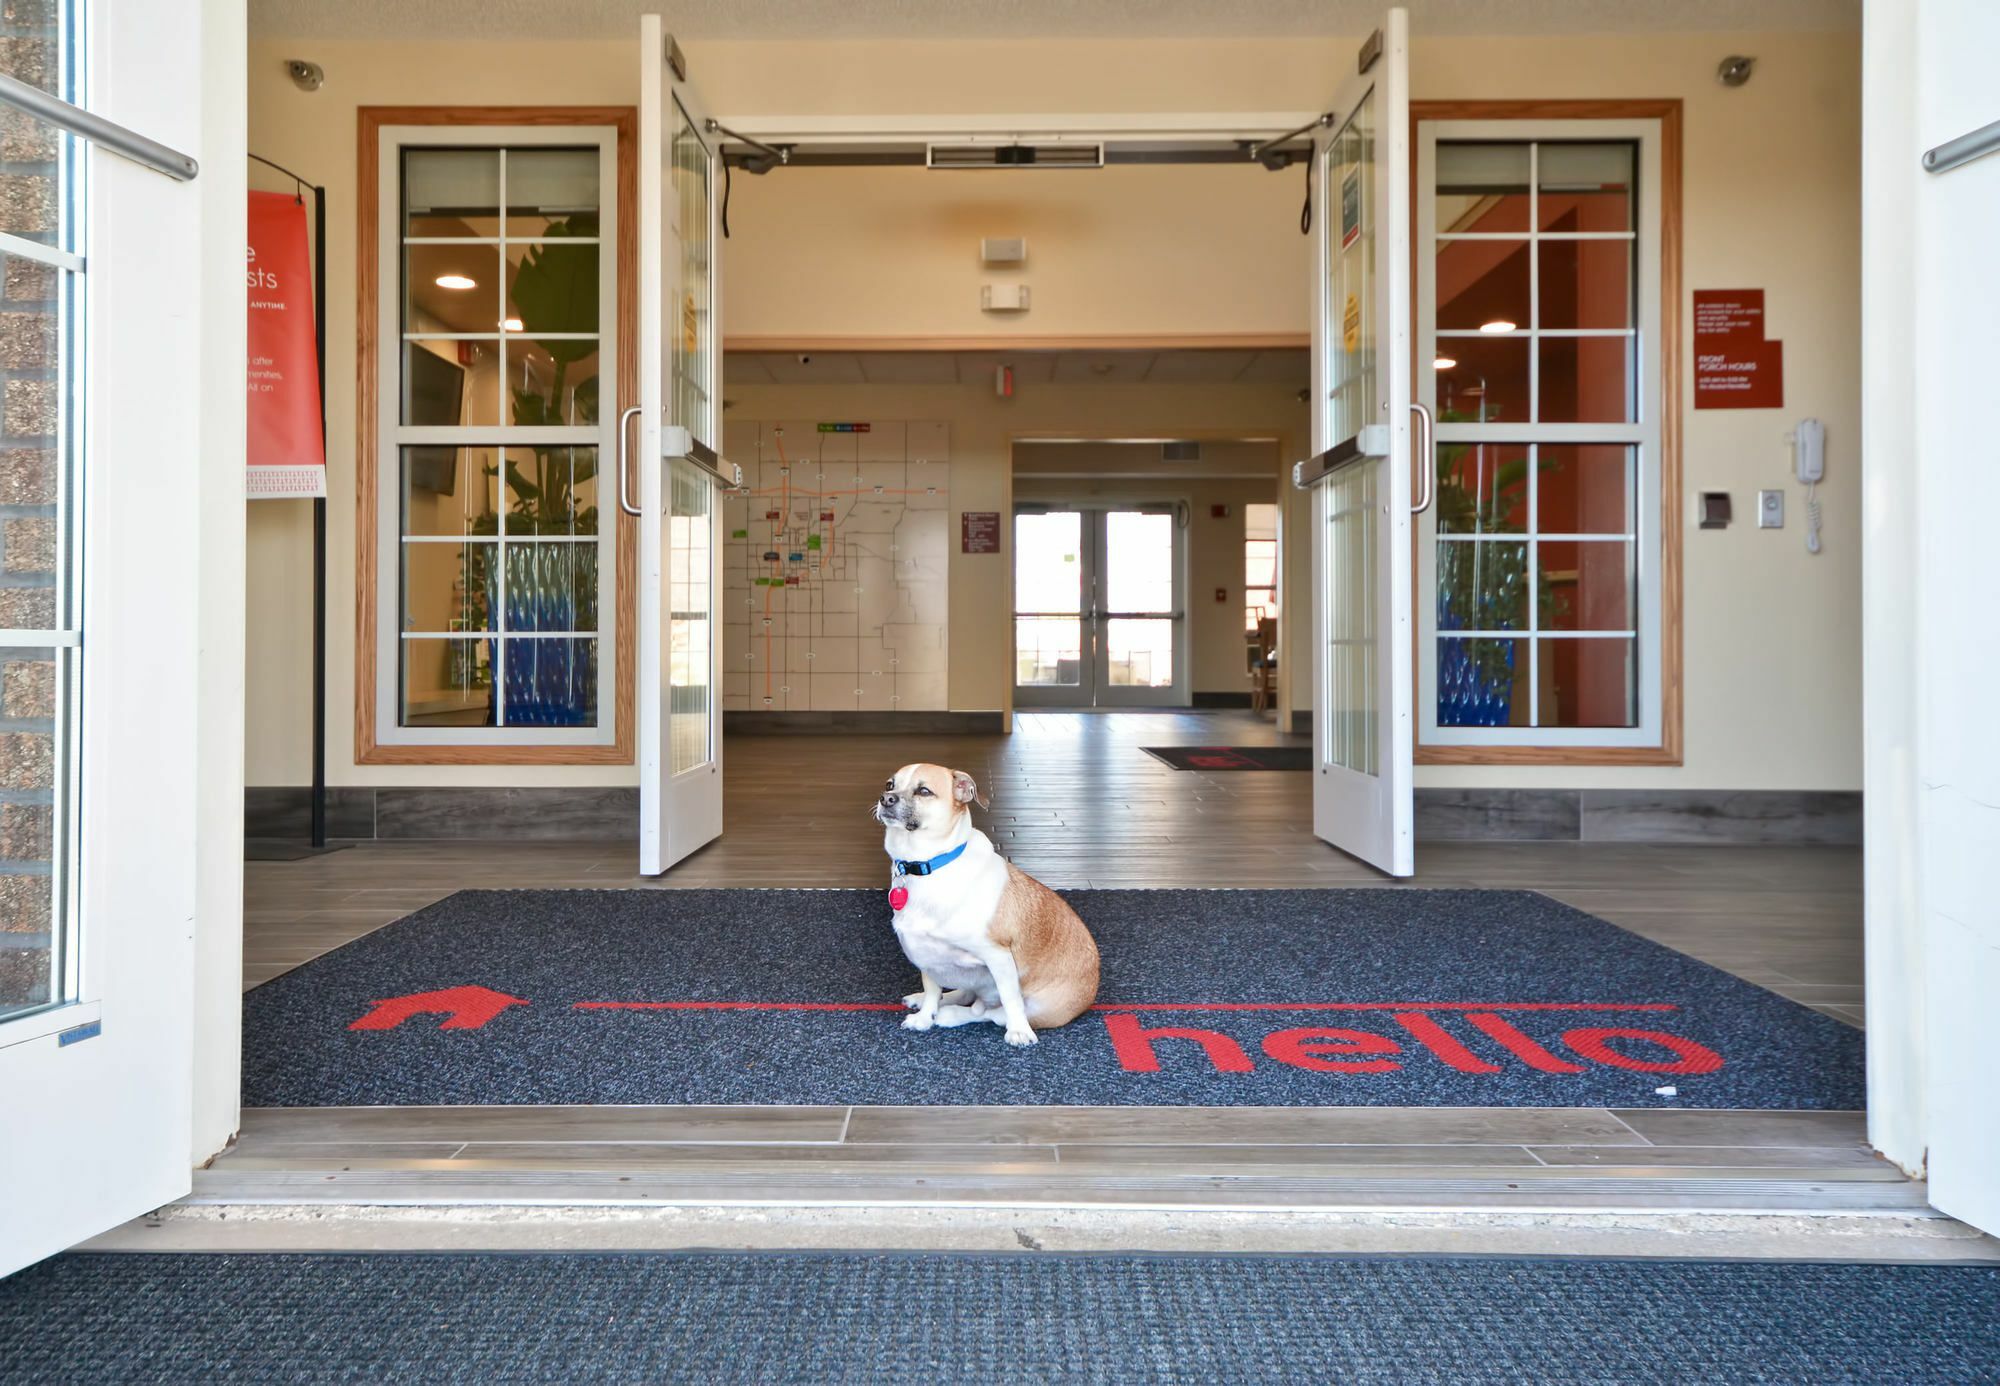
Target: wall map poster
x=1734, y=366
x=835, y=555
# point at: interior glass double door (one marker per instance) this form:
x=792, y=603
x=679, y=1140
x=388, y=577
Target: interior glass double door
x=1098, y=610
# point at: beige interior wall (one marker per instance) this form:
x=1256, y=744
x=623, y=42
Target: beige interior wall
x=1213, y=544
x=1121, y=250
x=1771, y=201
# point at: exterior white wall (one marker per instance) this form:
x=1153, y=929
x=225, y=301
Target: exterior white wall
x=1772, y=636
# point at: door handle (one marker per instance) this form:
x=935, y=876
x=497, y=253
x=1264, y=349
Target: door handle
x=1427, y=452
x=625, y=427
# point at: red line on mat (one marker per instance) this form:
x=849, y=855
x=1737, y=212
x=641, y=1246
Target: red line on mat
x=1152, y=1006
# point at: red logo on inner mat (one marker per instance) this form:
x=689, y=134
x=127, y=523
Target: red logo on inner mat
x=464, y=1008
x=1420, y=1029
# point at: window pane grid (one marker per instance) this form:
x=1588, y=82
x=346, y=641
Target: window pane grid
x=1534, y=302
x=1507, y=568
x=504, y=414
x=1481, y=343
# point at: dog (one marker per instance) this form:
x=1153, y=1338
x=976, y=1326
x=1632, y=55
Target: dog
x=991, y=942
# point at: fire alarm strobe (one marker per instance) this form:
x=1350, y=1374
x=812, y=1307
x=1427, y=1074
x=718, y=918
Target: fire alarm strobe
x=1004, y=298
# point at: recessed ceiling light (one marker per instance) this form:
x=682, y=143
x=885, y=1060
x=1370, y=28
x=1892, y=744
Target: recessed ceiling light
x=1443, y=363
x=456, y=281
x=1497, y=325
x=513, y=325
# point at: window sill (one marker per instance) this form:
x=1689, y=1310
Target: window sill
x=1548, y=755
x=616, y=754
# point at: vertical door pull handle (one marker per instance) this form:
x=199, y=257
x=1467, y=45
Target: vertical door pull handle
x=625, y=418
x=1423, y=456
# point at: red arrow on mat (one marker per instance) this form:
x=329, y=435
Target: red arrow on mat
x=466, y=1008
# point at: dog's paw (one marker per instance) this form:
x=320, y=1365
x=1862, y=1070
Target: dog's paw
x=915, y=1000
x=1018, y=1037
x=919, y=1021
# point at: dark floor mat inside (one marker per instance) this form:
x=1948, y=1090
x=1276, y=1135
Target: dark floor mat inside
x=866, y=1316
x=1388, y=997
x=1233, y=757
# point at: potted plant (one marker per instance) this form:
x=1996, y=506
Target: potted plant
x=548, y=586
x=1480, y=586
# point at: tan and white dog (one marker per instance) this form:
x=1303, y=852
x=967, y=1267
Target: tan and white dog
x=992, y=942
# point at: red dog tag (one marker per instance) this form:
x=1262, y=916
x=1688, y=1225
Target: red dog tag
x=899, y=897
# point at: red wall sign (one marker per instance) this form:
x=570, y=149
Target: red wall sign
x=287, y=454
x=979, y=531
x=1734, y=367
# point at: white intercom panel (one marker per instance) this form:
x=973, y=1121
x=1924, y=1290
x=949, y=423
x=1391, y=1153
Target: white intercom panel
x=1809, y=450
x=1809, y=462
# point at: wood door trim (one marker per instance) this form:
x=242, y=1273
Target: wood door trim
x=367, y=462
x=1672, y=706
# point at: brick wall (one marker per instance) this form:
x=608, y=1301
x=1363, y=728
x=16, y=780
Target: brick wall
x=31, y=389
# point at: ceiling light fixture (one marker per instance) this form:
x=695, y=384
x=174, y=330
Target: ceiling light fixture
x=456, y=281
x=513, y=325
x=1496, y=326
x=1444, y=363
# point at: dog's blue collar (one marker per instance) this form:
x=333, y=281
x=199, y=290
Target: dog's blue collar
x=924, y=868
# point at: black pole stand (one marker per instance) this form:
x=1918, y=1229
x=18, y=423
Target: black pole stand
x=317, y=840
x=319, y=533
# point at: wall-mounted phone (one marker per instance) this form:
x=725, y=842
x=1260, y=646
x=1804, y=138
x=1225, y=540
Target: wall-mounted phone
x=1809, y=462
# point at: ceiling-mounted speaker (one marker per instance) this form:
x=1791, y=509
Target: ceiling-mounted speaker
x=1004, y=250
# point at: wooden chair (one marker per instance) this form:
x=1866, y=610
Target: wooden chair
x=1264, y=665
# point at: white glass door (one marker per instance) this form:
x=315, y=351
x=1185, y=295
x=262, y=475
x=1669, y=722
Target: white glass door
x=1137, y=610
x=1052, y=665
x=677, y=467
x=1359, y=477
x=106, y=422
x=1098, y=608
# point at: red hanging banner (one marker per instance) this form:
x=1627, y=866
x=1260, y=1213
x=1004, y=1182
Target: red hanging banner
x=287, y=453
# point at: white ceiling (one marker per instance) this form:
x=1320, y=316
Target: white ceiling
x=963, y=19
x=1286, y=367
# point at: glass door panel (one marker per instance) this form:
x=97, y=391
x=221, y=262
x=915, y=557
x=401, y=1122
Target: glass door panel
x=1097, y=609
x=1049, y=645
x=677, y=467
x=690, y=617
x=1138, y=621
x=1360, y=475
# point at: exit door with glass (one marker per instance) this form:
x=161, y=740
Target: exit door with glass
x=1098, y=613
x=1370, y=439
x=677, y=472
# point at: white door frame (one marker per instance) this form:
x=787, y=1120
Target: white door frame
x=110, y=1124
x=1362, y=781
x=1931, y=771
x=679, y=812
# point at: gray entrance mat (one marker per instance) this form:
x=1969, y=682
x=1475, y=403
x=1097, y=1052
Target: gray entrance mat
x=1387, y=997
x=868, y=1316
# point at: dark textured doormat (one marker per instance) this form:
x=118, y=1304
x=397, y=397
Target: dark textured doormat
x=783, y=1317
x=1233, y=757
x=1382, y=997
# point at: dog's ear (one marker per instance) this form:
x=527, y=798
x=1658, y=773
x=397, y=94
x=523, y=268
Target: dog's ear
x=965, y=791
